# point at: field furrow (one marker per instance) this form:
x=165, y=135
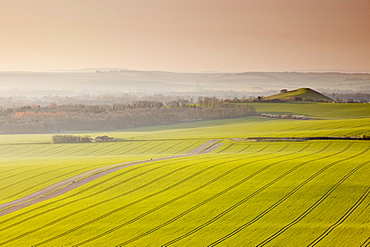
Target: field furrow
x=280, y=201
x=341, y=219
x=165, y=204
x=193, y=184
x=198, y=173
x=233, y=207
x=318, y=202
x=197, y=206
x=32, y=174
x=112, y=211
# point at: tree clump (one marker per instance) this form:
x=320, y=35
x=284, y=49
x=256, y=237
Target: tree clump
x=365, y=137
x=70, y=139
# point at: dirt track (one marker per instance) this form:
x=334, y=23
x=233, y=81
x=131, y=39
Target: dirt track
x=86, y=177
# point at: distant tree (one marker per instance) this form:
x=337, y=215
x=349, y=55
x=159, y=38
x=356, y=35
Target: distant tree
x=350, y=100
x=365, y=137
x=363, y=100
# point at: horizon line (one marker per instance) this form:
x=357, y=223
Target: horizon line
x=111, y=69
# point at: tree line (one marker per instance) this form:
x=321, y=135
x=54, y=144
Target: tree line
x=70, y=139
x=78, y=117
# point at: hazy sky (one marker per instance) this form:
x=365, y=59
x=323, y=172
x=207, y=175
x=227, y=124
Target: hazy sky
x=185, y=35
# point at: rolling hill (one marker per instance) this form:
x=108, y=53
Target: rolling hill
x=306, y=94
x=242, y=193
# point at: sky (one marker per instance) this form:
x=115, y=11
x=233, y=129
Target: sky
x=185, y=35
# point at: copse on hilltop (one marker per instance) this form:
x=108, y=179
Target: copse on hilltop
x=301, y=94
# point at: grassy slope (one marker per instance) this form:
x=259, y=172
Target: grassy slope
x=229, y=128
x=26, y=168
x=316, y=110
x=239, y=196
x=40, y=164
x=302, y=93
x=160, y=202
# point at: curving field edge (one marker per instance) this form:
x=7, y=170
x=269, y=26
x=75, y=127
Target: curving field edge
x=71, y=183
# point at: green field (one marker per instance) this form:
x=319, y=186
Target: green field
x=227, y=128
x=26, y=168
x=304, y=93
x=316, y=110
x=238, y=197
x=244, y=193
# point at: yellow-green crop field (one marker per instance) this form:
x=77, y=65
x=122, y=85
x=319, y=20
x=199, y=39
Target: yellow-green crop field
x=26, y=168
x=245, y=193
x=316, y=110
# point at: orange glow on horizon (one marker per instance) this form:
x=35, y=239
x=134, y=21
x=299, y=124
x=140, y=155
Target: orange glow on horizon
x=206, y=35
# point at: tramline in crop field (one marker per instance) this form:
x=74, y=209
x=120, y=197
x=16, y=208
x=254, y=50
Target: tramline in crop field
x=244, y=193
x=229, y=198
x=200, y=145
x=25, y=168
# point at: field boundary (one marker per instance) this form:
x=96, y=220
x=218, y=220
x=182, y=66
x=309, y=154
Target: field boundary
x=304, y=138
x=71, y=183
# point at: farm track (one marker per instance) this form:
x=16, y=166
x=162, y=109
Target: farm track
x=61, y=151
x=81, y=179
x=200, y=148
x=125, y=206
x=50, y=168
x=82, y=191
x=101, y=202
x=98, y=184
x=357, y=203
x=227, y=210
x=172, y=200
x=85, y=190
x=186, y=194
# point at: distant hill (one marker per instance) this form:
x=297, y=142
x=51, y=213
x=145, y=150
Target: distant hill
x=223, y=85
x=305, y=94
